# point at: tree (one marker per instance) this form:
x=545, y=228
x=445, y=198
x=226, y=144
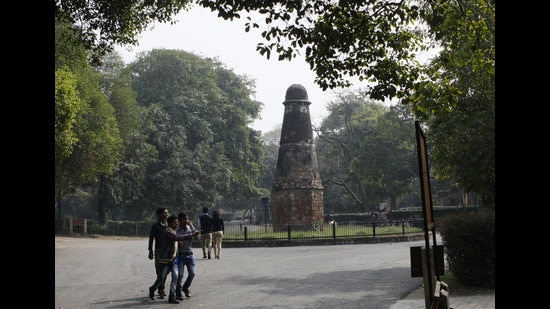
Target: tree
x=105, y=23
x=95, y=147
x=375, y=41
x=126, y=185
x=352, y=118
x=461, y=91
x=271, y=141
x=465, y=65
x=67, y=106
x=386, y=161
x=200, y=112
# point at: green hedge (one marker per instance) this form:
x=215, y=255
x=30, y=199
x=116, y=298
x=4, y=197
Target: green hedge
x=403, y=214
x=469, y=242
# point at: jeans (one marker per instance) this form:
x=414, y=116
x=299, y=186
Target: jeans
x=175, y=275
x=189, y=262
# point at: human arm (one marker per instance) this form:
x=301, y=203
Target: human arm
x=172, y=235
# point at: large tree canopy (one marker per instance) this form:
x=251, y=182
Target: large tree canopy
x=373, y=40
x=377, y=41
x=104, y=23
x=201, y=112
x=88, y=142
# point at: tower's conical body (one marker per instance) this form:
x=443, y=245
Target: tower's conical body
x=297, y=195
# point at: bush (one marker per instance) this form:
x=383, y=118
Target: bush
x=120, y=228
x=469, y=242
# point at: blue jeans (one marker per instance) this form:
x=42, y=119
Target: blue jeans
x=189, y=262
x=174, y=282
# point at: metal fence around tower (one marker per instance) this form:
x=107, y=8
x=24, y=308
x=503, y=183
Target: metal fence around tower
x=244, y=231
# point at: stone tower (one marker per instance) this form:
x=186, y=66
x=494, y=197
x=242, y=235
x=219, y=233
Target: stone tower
x=297, y=194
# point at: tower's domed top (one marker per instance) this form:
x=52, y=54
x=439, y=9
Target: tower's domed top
x=296, y=92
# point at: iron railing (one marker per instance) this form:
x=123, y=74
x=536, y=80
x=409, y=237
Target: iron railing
x=243, y=231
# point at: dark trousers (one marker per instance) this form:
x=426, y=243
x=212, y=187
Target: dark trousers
x=164, y=270
x=159, y=271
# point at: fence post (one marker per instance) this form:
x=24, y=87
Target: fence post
x=71, y=225
x=85, y=227
x=334, y=230
x=245, y=233
x=373, y=229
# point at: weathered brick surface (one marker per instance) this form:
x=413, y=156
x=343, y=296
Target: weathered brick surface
x=297, y=194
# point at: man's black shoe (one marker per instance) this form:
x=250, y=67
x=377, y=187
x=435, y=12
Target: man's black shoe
x=179, y=297
x=173, y=301
x=209, y=256
x=187, y=293
x=152, y=293
x=162, y=294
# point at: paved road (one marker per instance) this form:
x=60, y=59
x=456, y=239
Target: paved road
x=103, y=273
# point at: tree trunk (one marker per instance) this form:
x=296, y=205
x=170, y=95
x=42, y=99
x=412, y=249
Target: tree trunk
x=59, y=217
x=101, y=200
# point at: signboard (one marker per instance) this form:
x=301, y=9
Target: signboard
x=424, y=177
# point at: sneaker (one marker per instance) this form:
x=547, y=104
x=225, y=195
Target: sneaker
x=173, y=301
x=187, y=293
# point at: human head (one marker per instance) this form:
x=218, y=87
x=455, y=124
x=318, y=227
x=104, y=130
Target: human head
x=162, y=213
x=216, y=213
x=182, y=217
x=205, y=210
x=172, y=221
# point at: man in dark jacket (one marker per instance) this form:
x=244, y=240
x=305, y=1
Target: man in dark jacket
x=205, y=225
x=156, y=236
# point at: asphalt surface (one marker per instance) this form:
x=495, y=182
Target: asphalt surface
x=105, y=273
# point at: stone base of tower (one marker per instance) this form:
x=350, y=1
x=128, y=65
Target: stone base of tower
x=300, y=208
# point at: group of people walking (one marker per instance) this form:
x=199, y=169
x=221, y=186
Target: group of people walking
x=211, y=233
x=172, y=237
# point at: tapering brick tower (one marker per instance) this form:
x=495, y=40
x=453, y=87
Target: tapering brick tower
x=297, y=194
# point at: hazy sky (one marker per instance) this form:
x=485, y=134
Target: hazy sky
x=201, y=32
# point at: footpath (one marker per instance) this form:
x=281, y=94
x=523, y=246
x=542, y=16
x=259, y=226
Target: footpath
x=415, y=300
